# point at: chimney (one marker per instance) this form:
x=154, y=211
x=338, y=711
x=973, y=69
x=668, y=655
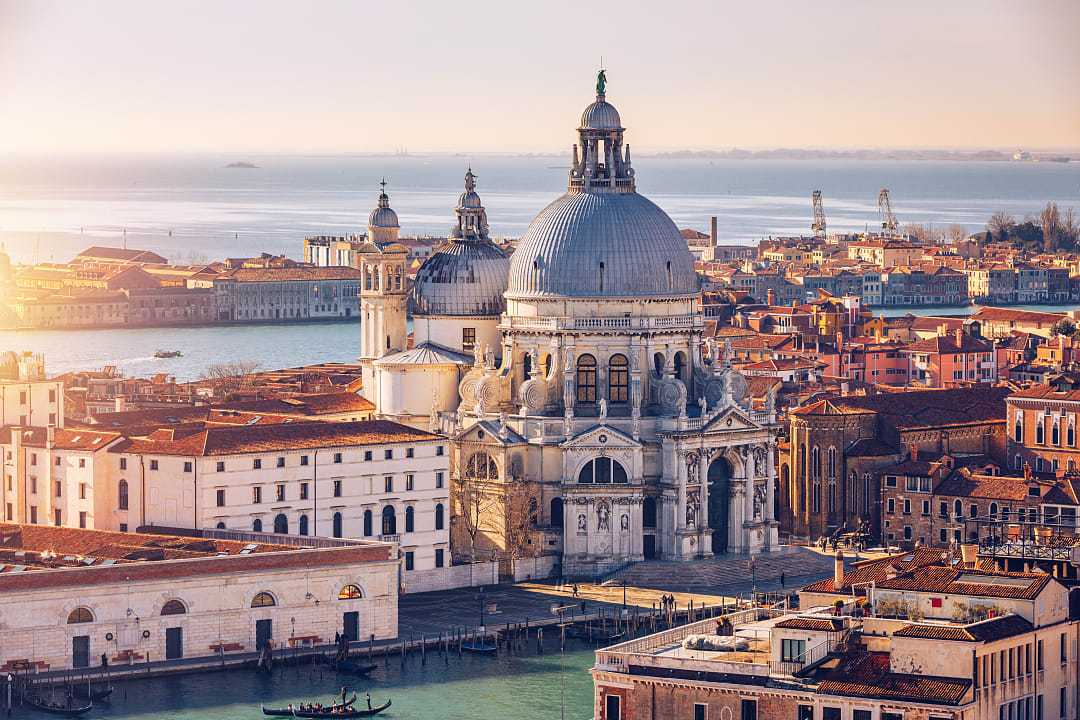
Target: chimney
x=942, y=330
x=969, y=552
x=958, y=333
x=712, y=231
x=770, y=297
x=838, y=570
x=914, y=451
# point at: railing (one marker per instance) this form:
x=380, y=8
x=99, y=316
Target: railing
x=621, y=322
x=809, y=658
x=392, y=538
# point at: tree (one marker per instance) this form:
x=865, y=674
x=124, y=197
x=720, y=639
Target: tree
x=1065, y=327
x=921, y=233
x=1050, y=224
x=472, y=492
x=521, y=511
x=1001, y=225
x=228, y=379
x=956, y=233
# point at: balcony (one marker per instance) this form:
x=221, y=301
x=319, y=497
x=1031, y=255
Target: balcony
x=395, y=538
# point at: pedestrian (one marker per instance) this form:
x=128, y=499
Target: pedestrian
x=783, y=579
x=104, y=660
x=344, y=694
x=367, y=696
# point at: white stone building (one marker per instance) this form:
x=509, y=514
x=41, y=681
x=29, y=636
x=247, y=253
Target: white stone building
x=26, y=397
x=69, y=597
x=595, y=387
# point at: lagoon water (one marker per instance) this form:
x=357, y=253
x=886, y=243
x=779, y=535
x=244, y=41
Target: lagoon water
x=525, y=687
x=193, y=208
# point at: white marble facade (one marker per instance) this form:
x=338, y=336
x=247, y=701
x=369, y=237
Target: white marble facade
x=601, y=392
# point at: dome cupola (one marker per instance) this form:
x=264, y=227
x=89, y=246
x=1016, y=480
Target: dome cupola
x=465, y=276
x=383, y=216
x=601, y=238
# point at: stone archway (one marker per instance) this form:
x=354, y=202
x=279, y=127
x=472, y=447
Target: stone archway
x=719, y=479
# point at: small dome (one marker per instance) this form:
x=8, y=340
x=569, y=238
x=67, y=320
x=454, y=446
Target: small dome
x=383, y=216
x=462, y=278
x=601, y=115
x=469, y=199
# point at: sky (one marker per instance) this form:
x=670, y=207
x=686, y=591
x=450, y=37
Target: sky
x=278, y=76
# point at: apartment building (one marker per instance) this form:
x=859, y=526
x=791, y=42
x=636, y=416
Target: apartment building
x=951, y=360
x=372, y=479
x=26, y=396
x=1042, y=426
x=919, y=636
x=287, y=293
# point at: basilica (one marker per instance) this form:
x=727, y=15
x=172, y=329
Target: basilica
x=573, y=373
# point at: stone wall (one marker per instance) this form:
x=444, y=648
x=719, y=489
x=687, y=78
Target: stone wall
x=447, y=578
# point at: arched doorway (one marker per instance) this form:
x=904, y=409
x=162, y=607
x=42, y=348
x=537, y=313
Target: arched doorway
x=719, y=500
x=557, y=513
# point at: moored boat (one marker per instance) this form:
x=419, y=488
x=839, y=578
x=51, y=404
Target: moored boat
x=355, y=667
x=333, y=711
x=95, y=693
x=69, y=710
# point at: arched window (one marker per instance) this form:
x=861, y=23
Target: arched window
x=410, y=519
x=817, y=496
x=173, y=607
x=958, y=509
x=80, y=615
x=658, y=361
x=481, y=467
x=557, y=512
x=586, y=379
x=1040, y=432
x=337, y=525
x=303, y=525
x=389, y=521
x=221, y=526
x=256, y=525
x=602, y=470
x=350, y=592
x=680, y=366
x=440, y=520
x=368, y=524
x=122, y=491
x=1070, y=433
x=263, y=599
x=993, y=510
x=526, y=366
x=281, y=524
x=832, y=462
x=815, y=462
x=1055, y=433
x=618, y=379
x=866, y=492
x=1018, y=428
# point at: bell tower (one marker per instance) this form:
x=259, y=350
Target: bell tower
x=383, y=291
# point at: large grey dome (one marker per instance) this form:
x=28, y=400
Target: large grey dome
x=462, y=278
x=383, y=217
x=602, y=244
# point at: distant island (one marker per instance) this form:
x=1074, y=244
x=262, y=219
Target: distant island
x=242, y=166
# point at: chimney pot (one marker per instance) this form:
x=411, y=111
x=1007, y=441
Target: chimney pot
x=838, y=570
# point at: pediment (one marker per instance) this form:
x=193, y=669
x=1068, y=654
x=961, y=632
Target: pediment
x=601, y=436
x=487, y=432
x=731, y=418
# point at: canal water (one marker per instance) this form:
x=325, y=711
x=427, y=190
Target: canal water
x=272, y=347
x=509, y=687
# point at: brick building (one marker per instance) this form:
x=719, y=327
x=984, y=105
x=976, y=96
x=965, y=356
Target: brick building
x=1042, y=422
x=837, y=446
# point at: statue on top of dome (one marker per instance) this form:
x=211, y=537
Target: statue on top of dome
x=601, y=82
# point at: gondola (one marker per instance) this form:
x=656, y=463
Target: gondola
x=46, y=707
x=479, y=647
x=353, y=667
x=287, y=712
x=332, y=712
x=97, y=694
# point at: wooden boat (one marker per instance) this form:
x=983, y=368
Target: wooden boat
x=161, y=354
x=479, y=647
x=354, y=667
x=68, y=711
x=97, y=694
x=332, y=712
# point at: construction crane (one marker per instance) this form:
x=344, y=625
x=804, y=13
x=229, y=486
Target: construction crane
x=818, y=226
x=888, y=220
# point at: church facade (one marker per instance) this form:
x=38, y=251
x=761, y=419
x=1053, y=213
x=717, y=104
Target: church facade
x=574, y=379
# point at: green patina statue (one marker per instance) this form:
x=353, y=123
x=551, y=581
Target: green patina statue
x=601, y=82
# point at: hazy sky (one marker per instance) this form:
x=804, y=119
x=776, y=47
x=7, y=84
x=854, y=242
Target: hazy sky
x=277, y=76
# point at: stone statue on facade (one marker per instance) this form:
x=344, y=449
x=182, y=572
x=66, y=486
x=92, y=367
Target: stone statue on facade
x=703, y=404
x=478, y=354
x=602, y=514
x=603, y=410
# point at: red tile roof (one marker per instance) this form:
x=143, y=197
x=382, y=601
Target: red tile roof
x=949, y=345
x=867, y=675
x=63, y=439
x=208, y=441
x=990, y=630
x=809, y=623
x=280, y=274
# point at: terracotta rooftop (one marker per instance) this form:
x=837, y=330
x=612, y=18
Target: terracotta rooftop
x=867, y=675
x=75, y=440
x=280, y=274
x=989, y=630
x=810, y=623
x=208, y=441
x=923, y=408
x=1022, y=316
x=951, y=345
x=965, y=483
